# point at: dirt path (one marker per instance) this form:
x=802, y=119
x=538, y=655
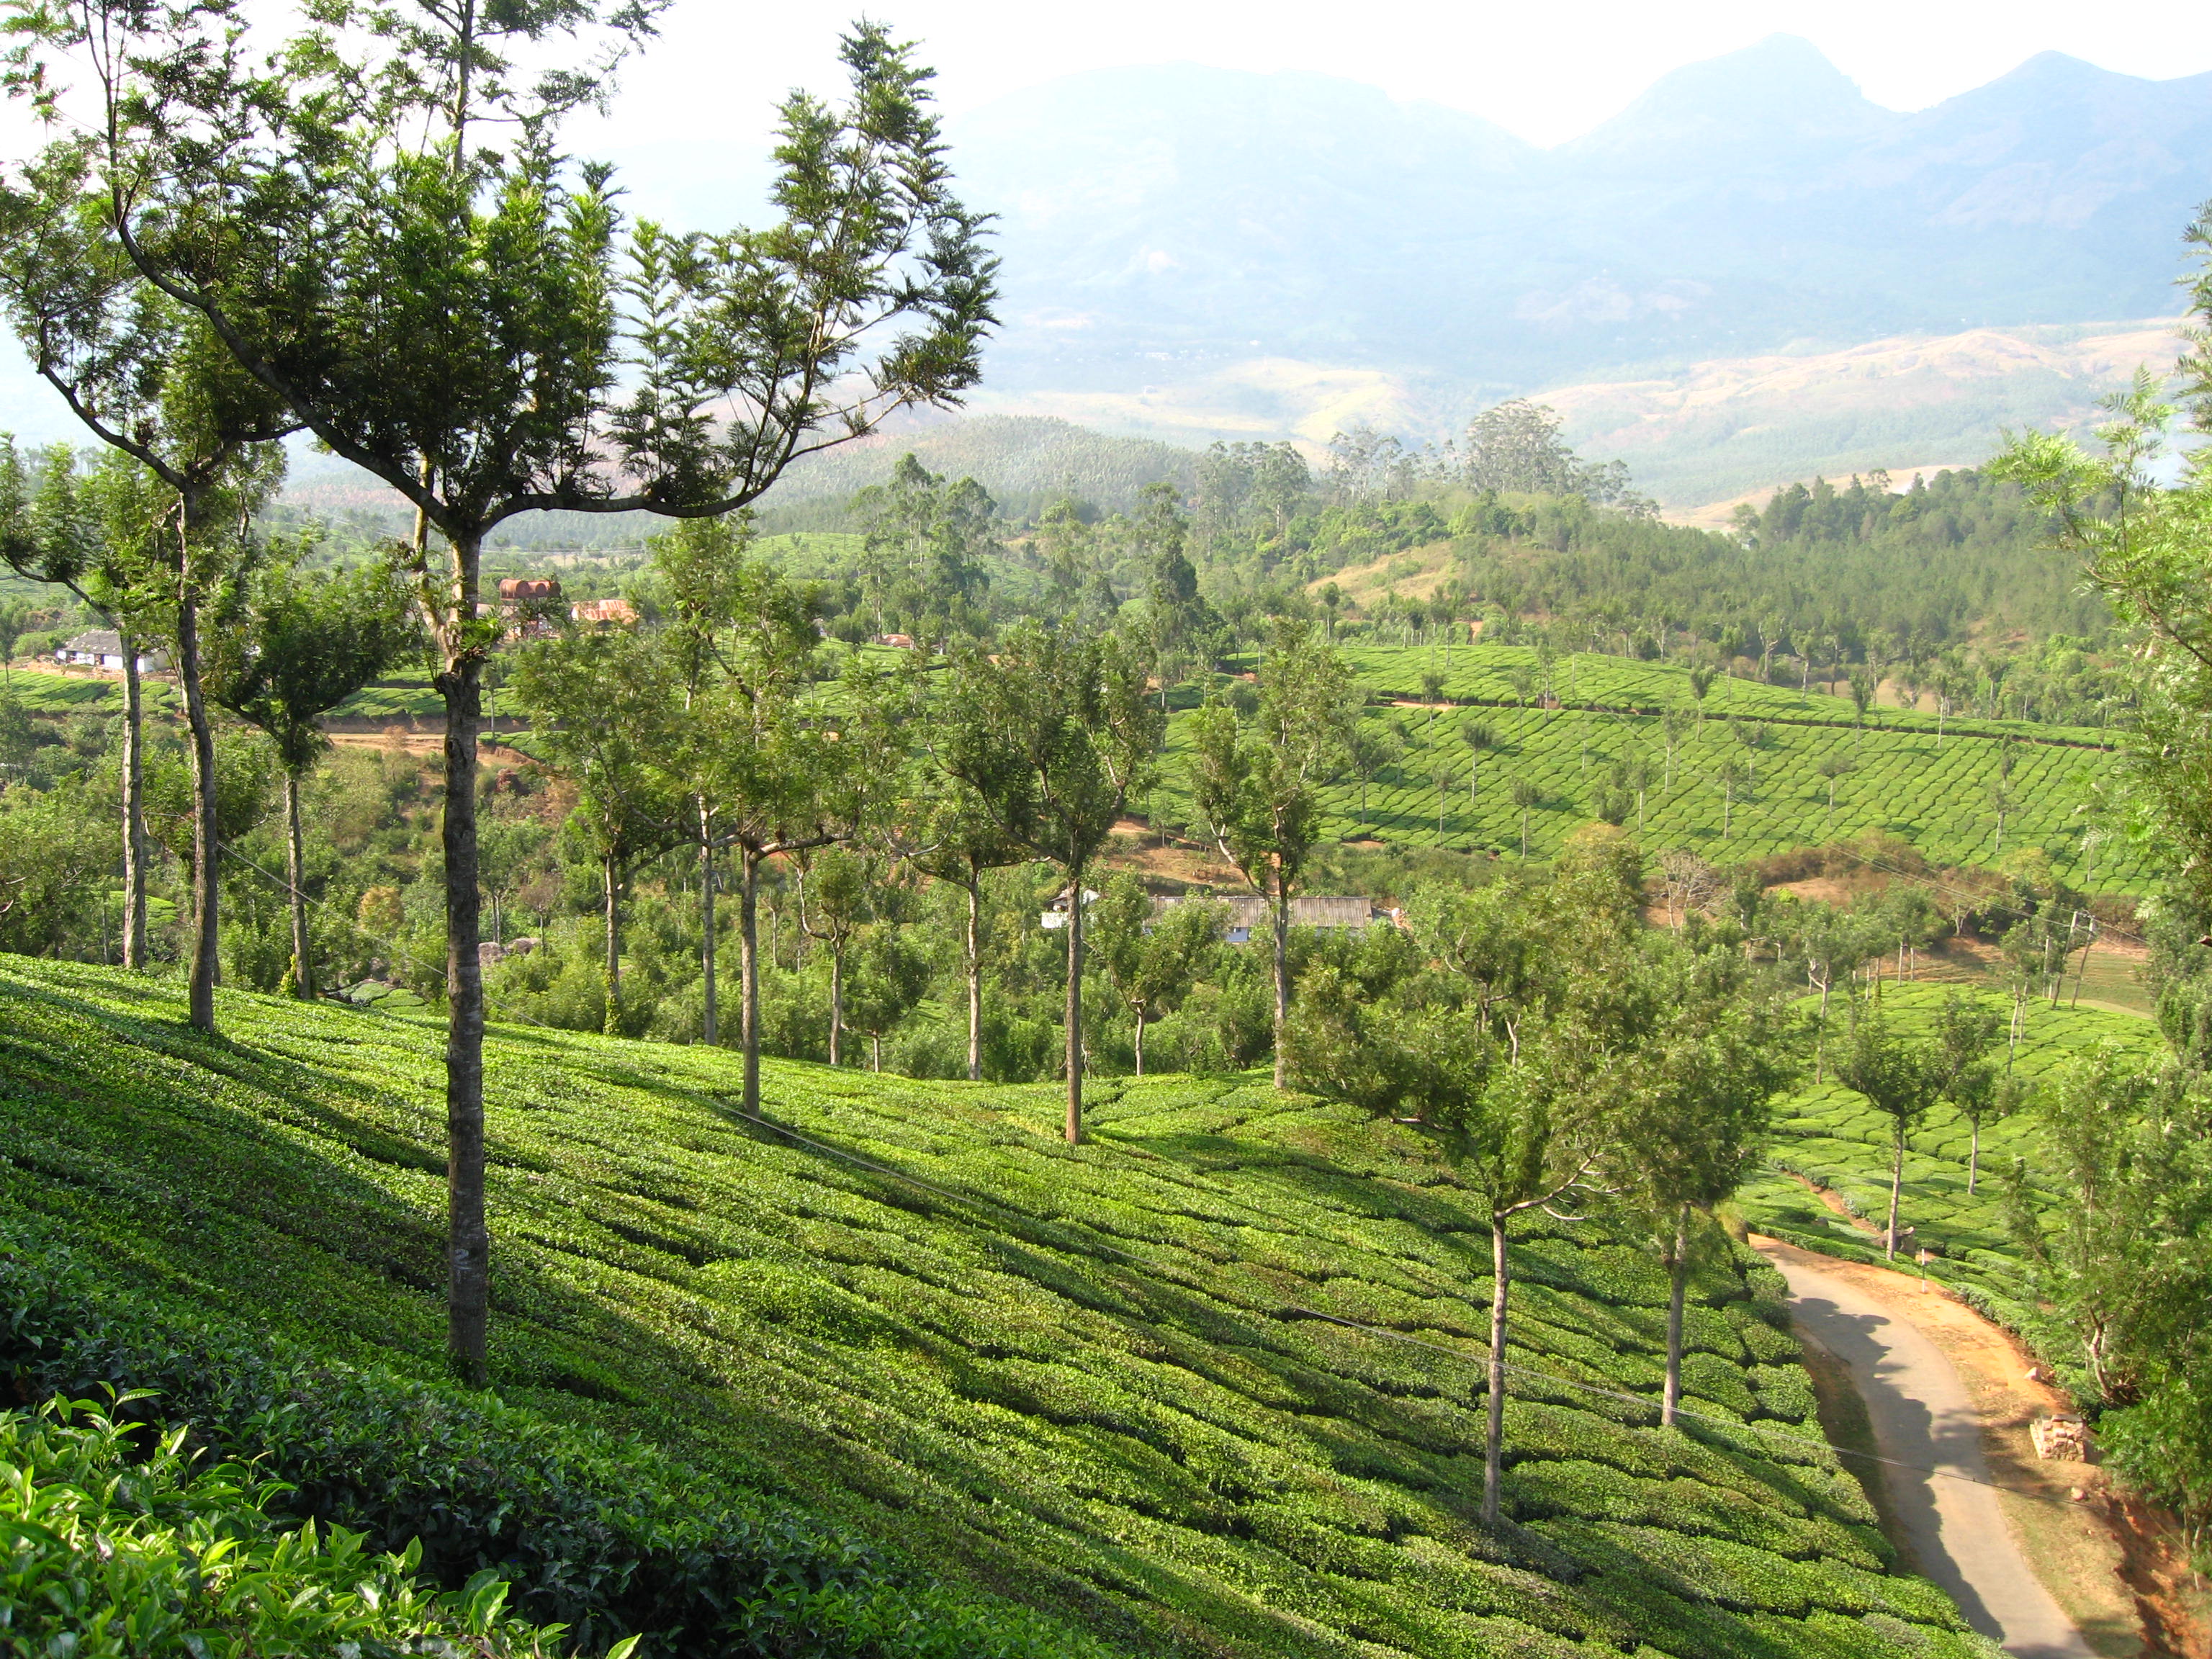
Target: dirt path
x=1962, y=1530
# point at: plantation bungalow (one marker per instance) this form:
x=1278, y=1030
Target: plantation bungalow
x=102, y=648
x=1248, y=914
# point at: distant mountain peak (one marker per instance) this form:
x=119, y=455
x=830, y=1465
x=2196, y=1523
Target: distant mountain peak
x=1776, y=97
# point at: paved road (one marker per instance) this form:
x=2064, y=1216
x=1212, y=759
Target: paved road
x=1922, y=1416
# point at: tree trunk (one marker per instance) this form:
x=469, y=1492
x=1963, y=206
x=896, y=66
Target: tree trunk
x=1140, y=1043
x=976, y=981
x=748, y=976
x=837, y=997
x=134, y=811
x=1074, y=1130
x=709, y=1033
x=303, y=966
x=610, y=1023
x=1896, y=1185
x=1282, y=919
x=1678, y=1273
x=1493, y=1442
x=469, y=1241
x=206, y=845
x=1973, y=1154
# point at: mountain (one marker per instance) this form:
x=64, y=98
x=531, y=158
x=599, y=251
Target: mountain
x=1166, y=225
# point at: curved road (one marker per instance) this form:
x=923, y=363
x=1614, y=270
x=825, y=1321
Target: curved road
x=1922, y=1416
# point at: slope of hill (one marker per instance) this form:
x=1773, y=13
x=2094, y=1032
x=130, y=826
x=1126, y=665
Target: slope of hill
x=1728, y=426
x=1831, y=1138
x=1156, y=1384
x=1162, y=224
x=1946, y=792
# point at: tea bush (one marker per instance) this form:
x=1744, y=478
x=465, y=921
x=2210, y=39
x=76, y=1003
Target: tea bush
x=112, y=1549
x=929, y=1365
x=1831, y=1137
x=1905, y=778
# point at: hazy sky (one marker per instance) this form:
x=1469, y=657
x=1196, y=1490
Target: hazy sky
x=1546, y=71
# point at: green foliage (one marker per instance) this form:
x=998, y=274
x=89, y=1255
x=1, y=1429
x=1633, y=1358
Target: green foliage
x=116, y=1551
x=1903, y=780
x=1080, y=1382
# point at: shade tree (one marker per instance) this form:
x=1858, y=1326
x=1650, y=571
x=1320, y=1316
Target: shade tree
x=471, y=326
x=606, y=710
x=1153, y=962
x=287, y=647
x=1055, y=734
x=1902, y=1078
x=1257, y=787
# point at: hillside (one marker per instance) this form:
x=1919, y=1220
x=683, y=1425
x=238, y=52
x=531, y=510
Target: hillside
x=1904, y=778
x=1250, y=235
x=1831, y=1138
x=1116, y=1381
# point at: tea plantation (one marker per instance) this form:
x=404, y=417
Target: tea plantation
x=933, y=1384
x=1831, y=1137
x=1938, y=792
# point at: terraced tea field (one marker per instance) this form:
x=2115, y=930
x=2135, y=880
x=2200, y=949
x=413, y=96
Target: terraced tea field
x=1715, y=794
x=1208, y=1386
x=1830, y=1136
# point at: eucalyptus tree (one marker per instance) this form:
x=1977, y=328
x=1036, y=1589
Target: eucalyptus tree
x=1517, y=1053
x=949, y=834
x=1695, y=1126
x=1966, y=1029
x=777, y=762
x=471, y=326
x=1901, y=1077
x=1055, y=734
x=1257, y=789
x=147, y=378
x=836, y=901
x=284, y=651
x=1480, y=738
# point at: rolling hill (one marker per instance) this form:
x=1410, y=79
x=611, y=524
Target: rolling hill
x=1208, y=1386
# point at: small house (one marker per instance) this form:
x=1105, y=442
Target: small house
x=1248, y=914
x=102, y=648
x=603, y=613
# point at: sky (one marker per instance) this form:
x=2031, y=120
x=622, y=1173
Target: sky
x=1547, y=72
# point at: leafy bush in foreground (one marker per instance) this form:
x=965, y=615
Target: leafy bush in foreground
x=112, y=1549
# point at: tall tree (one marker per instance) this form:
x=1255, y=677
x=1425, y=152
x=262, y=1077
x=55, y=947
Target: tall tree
x=1257, y=789
x=456, y=318
x=285, y=650
x=1901, y=1077
x=1695, y=1126
x=1152, y=965
x=89, y=536
x=1054, y=735
x=1966, y=1029
x=1520, y=1064
x=150, y=380
x=836, y=901
x=605, y=709
x=951, y=836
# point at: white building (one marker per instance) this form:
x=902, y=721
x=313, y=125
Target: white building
x=102, y=648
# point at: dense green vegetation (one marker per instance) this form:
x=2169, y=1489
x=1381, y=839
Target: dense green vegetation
x=1830, y=1137
x=1103, y=1381
x=1752, y=778
x=190, y=1560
